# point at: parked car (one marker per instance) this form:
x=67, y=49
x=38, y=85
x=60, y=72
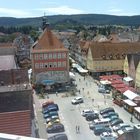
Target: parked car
x=113, y=117
x=116, y=122
x=48, y=102
x=56, y=128
x=109, y=114
x=103, y=122
x=106, y=110
x=56, y=121
x=58, y=137
x=86, y=112
x=120, y=126
x=50, y=109
x=50, y=114
x=91, y=117
x=51, y=118
x=125, y=130
x=77, y=100
x=100, y=129
x=108, y=136
x=51, y=106
x=103, y=90
x=113, y=113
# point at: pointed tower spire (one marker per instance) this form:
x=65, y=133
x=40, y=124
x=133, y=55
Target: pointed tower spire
x=45, y=24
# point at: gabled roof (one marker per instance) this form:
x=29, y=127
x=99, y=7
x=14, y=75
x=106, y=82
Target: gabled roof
x=107, y=49
x=48, y=41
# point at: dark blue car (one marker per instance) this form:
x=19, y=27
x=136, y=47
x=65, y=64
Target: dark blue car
x=52, y=107
x=50, y=114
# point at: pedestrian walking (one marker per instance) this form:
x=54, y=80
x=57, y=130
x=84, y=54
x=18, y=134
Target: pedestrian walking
x=131, y=119
x=79, y=91
x=56, y=93
x=78, y=129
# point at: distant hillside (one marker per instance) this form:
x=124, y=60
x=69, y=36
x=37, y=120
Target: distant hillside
x=88, y=19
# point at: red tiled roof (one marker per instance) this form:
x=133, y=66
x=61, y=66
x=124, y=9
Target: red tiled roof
x=48, y=41
x=119, y=85
x=110, y=77
x=116, y=82
x=123, y=89
x=18, y=123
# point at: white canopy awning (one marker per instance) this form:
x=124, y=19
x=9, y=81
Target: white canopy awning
x=105, y=82
x=129, y=102
x=79, y=68
x=130, y=95
x=128, y=79
x=137, y=109
x=72, y=75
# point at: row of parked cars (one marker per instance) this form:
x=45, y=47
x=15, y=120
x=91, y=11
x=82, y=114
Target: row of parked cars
x=106, y=123
x=52, y=119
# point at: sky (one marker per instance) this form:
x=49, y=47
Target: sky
x=37, y=8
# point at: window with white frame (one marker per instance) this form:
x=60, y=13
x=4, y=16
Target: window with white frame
x=55, y=64
x=41, y=56
x=59, y=55
x=54, y=55
x=64, y=64
x=36, y=56
x=63, y=55
x=50, y=55
x=59, y=64
x=45, y=56
x=41, y=65
x=36, y=65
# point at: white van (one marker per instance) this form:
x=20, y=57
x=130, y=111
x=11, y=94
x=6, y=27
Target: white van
x=105, y=122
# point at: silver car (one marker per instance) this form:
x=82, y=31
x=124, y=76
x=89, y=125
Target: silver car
x=77, y=100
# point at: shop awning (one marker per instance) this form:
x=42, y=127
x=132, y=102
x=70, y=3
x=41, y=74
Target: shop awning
x=137, y=109
x=123, y=89
x=79, y=68
x=47, y=82
x=72, y=75
x=110, y=77
x=105, y=82
x=119, y=85
x=116, y=82
x=129, y=102
x=130, y=95
x=128, y=79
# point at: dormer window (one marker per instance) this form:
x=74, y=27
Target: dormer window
x=103, y=57
x=123, y=55
x=117, y=56
x=111, y=56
